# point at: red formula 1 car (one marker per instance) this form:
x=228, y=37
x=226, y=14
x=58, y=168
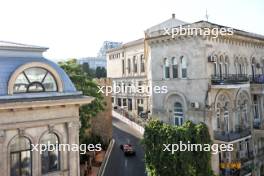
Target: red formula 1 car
x=128, y=149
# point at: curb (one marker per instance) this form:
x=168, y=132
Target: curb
x=106, y=158
x=134, y=125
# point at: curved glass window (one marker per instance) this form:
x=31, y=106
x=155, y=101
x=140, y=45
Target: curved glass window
x=20, y=157
x=50, y=159
x=35, y=79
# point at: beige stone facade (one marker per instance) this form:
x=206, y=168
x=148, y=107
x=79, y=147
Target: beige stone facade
x=127, y=67
x=218, y=81
x=38, y=105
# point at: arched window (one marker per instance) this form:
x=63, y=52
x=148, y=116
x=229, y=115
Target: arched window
x=183, y=67
x=50, y=159
x=241, y=66
x=236, y=65
x=218, y=117
x=129, y=66
x=253, y=67
x=174, y=68
x=20, y=157
x=142, y=63
x=166, y=69
x=226, y=65
x=178, y=114
x=135, y=64
x=215, y=65
x=35, y=79
x=220, y=65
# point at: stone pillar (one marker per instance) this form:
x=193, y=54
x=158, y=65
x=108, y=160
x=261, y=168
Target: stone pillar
x=3, y=159
x=261, y=110
x=215, y=163
x=73, y=138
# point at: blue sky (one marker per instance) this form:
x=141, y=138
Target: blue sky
x=77, y=28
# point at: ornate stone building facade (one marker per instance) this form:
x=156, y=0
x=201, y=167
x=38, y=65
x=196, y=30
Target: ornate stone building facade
x=38, y=105
x=215, y=80
x=126, y=64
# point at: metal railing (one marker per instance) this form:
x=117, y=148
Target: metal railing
x=229, y=79
x=231, y=136
x=257, y=79
x=257, y=125
x=134, y=118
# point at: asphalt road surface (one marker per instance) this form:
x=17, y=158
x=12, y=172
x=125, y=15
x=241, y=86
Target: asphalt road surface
x=120, y=165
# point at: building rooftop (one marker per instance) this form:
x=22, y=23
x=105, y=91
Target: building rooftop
x=6, y=45
x=14, y=55
x=170, y=23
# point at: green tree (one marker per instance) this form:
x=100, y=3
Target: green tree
x=181, y=163
x=100, y=72
x=83, y=82
x=86, y=68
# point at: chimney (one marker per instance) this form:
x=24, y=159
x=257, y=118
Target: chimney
x=173, y=15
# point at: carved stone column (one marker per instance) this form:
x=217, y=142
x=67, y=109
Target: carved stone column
x=73, y=138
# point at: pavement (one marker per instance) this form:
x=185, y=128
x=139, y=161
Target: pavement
x=120, y=165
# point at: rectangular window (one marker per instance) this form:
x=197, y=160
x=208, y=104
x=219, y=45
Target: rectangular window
x=129, y=65
x=134, y=64
x=142, y=64
x=119, y=102
x=123, y=67
x=124, y=102
x=129, y=104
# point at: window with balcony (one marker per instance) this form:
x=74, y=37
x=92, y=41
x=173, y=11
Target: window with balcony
x=226, y=66
x=253, y=67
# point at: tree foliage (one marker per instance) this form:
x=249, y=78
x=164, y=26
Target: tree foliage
x=83, y=82
x=180, y=163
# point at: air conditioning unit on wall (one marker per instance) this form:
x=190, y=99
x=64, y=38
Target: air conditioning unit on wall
x=195, y=105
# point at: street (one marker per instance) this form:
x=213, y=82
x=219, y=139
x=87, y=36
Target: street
x=120, y=165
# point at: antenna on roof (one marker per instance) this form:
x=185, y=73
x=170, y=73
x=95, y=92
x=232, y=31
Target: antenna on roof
x=206, y=15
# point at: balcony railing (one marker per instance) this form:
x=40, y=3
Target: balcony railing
x=231, y=136
x=257, y=79
x=229, y=79
x=137, y=119
x=260, y=152
x=257, y=125
x=245, y=156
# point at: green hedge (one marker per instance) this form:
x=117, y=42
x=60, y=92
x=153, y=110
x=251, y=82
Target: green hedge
x=187, y=163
